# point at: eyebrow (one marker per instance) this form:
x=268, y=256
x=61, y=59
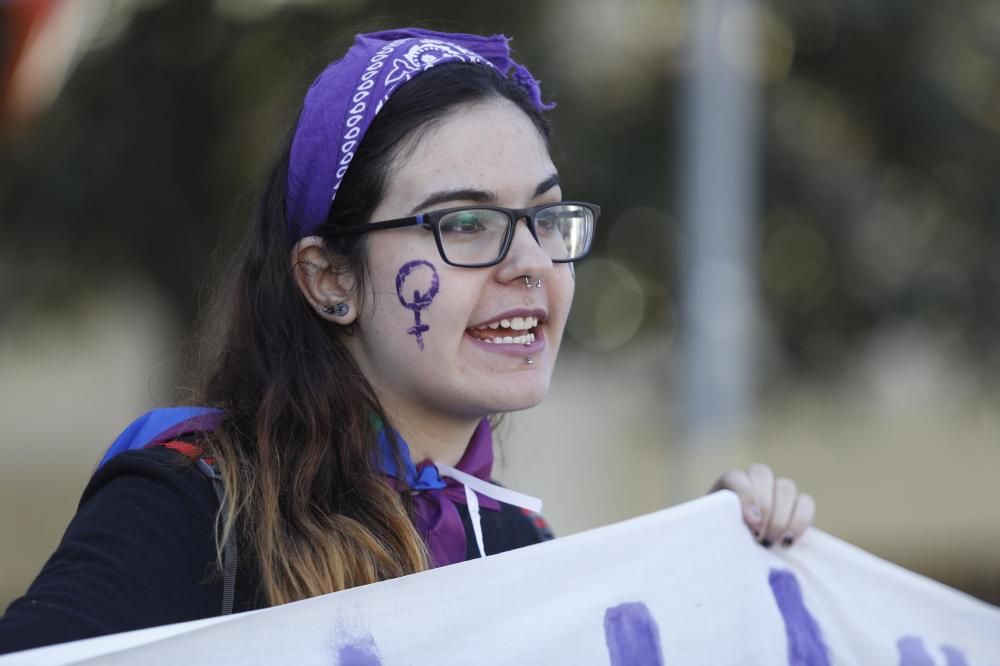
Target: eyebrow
x=478, y=196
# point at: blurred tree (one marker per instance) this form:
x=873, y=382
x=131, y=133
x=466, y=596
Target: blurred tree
x=881, y=143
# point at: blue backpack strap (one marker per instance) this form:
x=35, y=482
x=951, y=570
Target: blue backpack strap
x=162, y=425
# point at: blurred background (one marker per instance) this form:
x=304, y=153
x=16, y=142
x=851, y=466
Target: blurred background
x=852, y=340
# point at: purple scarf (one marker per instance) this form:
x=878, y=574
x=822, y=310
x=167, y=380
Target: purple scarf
x=344, y=99
x=436, y=516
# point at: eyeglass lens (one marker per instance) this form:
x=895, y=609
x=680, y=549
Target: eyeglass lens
x=477, y=235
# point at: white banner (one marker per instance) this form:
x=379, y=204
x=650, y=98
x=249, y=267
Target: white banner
x=685, y=586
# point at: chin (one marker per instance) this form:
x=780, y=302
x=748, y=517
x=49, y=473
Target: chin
x=524, y=398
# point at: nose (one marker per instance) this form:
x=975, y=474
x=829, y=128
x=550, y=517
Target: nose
x=525, y=256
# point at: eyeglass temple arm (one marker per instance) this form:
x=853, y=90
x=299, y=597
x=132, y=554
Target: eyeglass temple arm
x=415, y=221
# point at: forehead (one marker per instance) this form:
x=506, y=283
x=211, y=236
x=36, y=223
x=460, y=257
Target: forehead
x=491, y=146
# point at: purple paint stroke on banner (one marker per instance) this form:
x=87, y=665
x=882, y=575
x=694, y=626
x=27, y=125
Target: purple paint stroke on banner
x=358, y=651
x=632, y=636
x=954, y=656
x=805, y=641
x=421, y=299
x=912, y=652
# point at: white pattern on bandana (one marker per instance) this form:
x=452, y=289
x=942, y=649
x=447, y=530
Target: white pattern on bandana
x=418, y=58
x=423, y=55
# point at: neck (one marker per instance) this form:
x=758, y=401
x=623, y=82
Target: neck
x=440, y=440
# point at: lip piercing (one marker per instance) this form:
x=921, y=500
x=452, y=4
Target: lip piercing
x=530, y=362
x=527, y=282
x=340, y=309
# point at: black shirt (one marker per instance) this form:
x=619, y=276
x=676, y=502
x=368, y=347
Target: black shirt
x=140, y=552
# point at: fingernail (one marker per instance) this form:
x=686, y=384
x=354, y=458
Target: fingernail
x=753, y=513
x=766, y=543
x=787, y=540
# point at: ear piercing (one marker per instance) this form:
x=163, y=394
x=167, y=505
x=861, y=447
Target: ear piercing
x=340, y=309
x=527, y=282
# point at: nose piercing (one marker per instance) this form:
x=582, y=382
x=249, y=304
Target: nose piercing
x=527, y=282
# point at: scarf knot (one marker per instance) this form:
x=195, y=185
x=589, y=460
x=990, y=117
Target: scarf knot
x=436, y=497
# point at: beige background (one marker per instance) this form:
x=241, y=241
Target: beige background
x=901, y=453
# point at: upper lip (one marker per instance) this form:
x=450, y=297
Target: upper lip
x=541, y=315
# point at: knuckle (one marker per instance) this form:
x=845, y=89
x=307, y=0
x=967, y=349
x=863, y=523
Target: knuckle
x=732, y=479
x=735, y=480
x=785, y=486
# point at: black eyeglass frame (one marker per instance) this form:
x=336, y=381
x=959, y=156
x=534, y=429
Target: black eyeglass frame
x=432, y=220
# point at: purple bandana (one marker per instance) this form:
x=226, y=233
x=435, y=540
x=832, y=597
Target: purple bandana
x=343, y=101
x=436, y=516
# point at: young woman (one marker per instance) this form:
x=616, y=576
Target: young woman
x=408, y=276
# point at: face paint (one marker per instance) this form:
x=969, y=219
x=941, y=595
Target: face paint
x=419, y=274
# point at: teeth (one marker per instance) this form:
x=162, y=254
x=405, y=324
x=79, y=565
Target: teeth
x=510, y=340
x=516, y=323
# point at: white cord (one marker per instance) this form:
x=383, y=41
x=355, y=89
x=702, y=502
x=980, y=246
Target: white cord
x=474, y=484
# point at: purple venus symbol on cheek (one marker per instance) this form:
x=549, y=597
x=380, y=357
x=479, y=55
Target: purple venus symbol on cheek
x=422, y=279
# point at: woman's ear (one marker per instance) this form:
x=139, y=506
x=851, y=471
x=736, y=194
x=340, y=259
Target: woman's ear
x=327, y=288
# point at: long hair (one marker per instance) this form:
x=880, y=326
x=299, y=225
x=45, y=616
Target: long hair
x=297, y=449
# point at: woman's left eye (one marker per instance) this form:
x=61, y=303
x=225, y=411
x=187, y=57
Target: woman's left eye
x=546, y=223
x=462, y=223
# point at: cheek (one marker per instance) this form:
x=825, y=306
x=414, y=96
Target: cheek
x=565, y=289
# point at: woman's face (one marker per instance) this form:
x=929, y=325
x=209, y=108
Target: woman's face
x=418, y=339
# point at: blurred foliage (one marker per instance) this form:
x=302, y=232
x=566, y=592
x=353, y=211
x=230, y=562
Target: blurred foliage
x=879, y=152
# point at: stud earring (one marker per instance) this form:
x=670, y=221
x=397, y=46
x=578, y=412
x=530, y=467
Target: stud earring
x=339, y=310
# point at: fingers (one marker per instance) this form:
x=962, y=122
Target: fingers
x=802, y=517
x=773, y=509
x=784, y=501
x=735, y=480
x=762, y=482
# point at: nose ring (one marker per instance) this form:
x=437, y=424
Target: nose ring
x=527, y=282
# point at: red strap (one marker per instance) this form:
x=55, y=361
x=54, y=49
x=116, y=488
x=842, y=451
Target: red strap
x=192, y=451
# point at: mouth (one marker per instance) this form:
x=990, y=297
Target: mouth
x=510, y=330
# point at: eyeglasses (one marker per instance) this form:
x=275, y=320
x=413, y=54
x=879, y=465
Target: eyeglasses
x=480, y=236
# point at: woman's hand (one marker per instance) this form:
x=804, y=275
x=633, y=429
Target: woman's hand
x=773, y=509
